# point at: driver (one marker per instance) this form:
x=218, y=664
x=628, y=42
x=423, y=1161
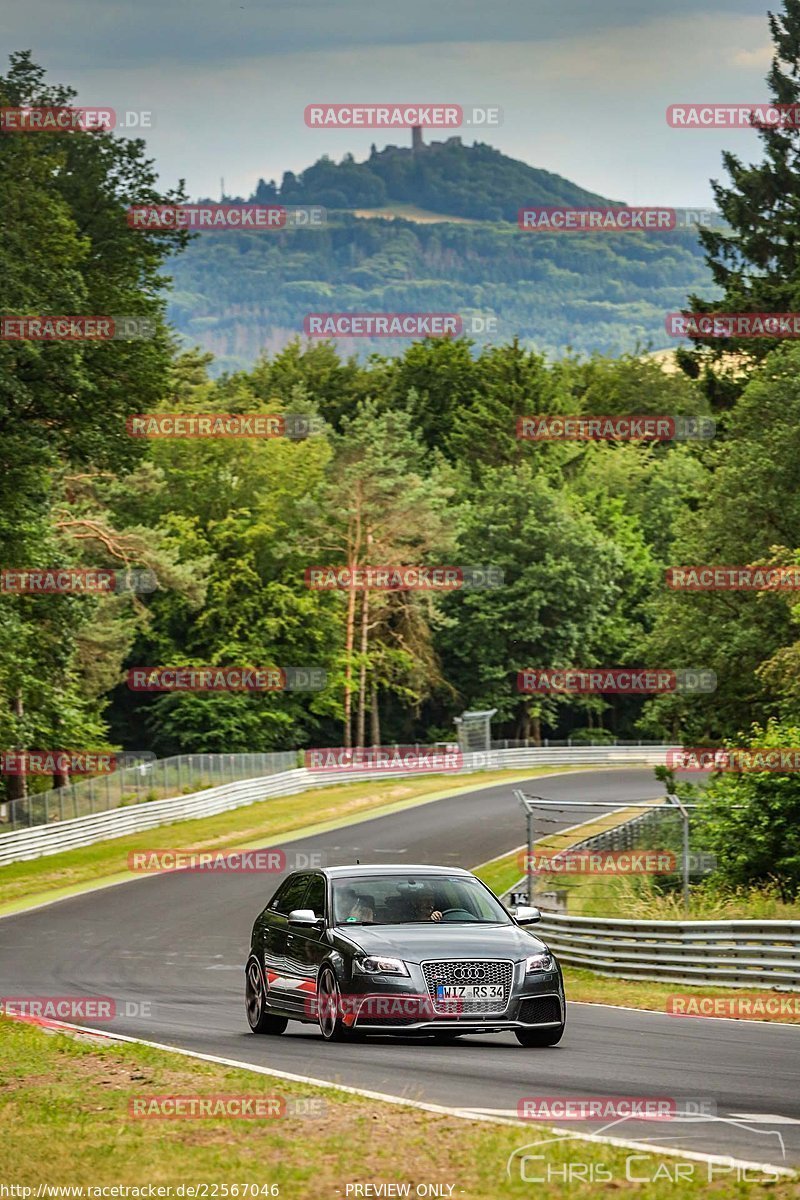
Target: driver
x=425, y=908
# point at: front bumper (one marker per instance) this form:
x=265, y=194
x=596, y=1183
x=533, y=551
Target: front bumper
x=404, y=1004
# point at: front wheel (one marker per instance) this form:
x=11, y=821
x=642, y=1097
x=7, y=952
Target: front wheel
x=258, y=1017
x=540, y=1037
x=329, y=1007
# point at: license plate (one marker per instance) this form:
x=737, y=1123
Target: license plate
x=470, y=991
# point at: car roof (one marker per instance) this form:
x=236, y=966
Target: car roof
x=359, y=870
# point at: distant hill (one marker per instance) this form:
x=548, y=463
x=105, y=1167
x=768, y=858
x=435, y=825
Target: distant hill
x=238, y=294
x=446, y=177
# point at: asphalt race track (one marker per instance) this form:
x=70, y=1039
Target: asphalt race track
x=177, y=943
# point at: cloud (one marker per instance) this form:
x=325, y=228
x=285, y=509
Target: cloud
x=761, y=58
x=151, y=32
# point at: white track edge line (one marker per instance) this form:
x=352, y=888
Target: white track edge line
x=463, y=1114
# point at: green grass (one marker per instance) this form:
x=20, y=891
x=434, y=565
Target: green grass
x=638, y=896
x=588, y=987
x=64, y=1111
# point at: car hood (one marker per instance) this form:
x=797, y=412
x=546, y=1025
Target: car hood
x=436, y=939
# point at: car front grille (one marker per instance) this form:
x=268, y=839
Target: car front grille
x=455, y=971
x=537, y=1010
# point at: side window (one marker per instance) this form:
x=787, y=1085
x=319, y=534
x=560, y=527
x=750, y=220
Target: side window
x=315, y=896
x=290, y=895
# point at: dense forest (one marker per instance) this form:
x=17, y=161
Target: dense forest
x=239, y=294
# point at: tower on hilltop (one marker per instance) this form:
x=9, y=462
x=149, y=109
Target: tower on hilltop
x=416, y=138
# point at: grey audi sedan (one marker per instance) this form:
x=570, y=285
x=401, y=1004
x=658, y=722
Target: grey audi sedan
x=418, y=951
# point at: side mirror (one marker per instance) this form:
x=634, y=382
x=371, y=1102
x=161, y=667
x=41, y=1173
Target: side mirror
x=525, y=915
x=304, y=916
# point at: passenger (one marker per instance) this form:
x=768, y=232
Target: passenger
x=362, y=909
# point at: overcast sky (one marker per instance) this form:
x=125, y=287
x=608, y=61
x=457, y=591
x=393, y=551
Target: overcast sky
x=583, y=84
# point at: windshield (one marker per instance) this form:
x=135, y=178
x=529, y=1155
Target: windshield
x=409, y=900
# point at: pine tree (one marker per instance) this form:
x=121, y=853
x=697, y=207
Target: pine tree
x=756, y=260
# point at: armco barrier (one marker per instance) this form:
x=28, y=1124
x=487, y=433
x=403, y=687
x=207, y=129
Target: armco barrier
x=41, y=840
x=737, y=954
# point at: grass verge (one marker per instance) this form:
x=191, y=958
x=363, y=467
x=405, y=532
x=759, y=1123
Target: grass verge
x=502, y=873
x=589, y=988
x=25, y=883
x=65, y=1105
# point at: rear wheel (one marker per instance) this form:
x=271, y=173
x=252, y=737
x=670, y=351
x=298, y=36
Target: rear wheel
x=540, y=1037
x=329, y=1008
x=258, y=1018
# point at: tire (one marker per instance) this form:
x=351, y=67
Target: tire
x=259, y=1018
x=539, y=1037
x=331, y=1025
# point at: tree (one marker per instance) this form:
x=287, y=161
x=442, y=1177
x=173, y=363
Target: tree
x=751, y=819
x=66, y=250
x=385, y=504
x=756, y=261
x=562, y=580
x=750, y=514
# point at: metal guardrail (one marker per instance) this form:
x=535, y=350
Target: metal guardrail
x=143, y=782
x=734, y=954
x=23, y=844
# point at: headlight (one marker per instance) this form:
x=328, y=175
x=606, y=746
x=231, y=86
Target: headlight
x=539, y=962
x=379, y=966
